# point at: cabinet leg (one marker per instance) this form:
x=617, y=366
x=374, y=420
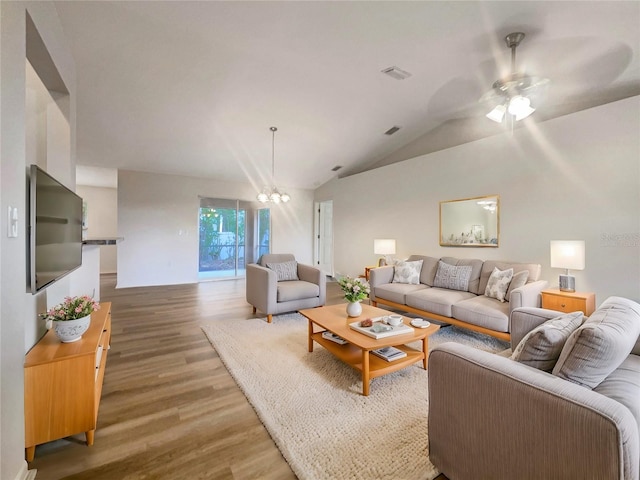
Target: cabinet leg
x=89, y=434
x=30, y=453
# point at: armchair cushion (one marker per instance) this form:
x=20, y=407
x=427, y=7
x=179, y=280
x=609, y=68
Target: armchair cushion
x=286, y=271
x=541, y=347
x=295, y=290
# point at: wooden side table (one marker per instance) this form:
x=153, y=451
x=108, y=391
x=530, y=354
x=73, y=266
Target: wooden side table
x=367, y=270
x=555, y=299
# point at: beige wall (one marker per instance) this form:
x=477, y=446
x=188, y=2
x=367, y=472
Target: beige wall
x=573, y=178
x=158, y=219
x=102, y=216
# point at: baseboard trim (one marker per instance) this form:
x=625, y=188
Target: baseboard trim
x=25, y=473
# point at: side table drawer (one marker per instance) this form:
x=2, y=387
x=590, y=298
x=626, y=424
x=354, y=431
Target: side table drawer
x=562, y=304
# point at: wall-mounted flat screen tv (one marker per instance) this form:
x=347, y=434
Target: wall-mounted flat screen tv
x=55, y=229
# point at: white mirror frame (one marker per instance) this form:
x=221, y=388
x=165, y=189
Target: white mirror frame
x=470, y=222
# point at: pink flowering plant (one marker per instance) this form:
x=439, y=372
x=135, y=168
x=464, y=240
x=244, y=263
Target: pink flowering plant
x=72, y=308
x=355, y=289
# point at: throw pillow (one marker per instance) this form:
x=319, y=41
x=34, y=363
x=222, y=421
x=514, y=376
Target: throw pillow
x=452, y=277
x=498, y=283
x=598, y=347
x=285, y=270
x=518, y=280
x=407, y=272
x=541, y=347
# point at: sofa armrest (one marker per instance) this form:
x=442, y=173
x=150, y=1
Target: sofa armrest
x=524, y=319
x=379, y=276
x=314, y=275
x=262, y=287
x=513, y=421
x=528, y=295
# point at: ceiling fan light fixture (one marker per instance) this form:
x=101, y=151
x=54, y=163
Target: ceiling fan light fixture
x=520, y=107
x=497, y=114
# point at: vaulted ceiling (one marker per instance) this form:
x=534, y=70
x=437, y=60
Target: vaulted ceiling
x=191, y=88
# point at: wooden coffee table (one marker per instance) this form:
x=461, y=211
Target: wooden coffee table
x=357, y=353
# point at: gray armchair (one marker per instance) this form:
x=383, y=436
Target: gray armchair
x=306, y=289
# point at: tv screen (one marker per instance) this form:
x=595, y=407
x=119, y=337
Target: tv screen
x=55, y=229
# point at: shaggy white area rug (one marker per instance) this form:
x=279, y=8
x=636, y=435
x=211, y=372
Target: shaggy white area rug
x=312, y=406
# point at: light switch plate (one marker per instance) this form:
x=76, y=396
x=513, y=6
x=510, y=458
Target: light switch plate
x=12, y=222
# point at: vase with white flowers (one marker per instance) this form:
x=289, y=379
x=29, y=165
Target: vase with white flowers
x=355, y=290
x=71, y=318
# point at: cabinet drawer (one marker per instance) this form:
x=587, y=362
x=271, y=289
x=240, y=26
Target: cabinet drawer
x=563, y=304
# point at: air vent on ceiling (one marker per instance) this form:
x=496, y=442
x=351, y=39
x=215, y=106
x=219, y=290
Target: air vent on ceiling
x=392, y=130
x=397, y=73
x=336, y=168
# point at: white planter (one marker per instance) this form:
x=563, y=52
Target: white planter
x=354, y=309
x=71, y=330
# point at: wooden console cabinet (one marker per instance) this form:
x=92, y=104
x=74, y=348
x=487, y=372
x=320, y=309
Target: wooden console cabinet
x=63, y=383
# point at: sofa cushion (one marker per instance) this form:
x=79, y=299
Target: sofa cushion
x=534, y=270
x=518, y=280
x=620, y=302
x=436, y=300
x=286, y=271
x=396, y=292
x=498, y=284
x=429, y=268
x=452, y=277
x=484, y=312
x=623, y=385
x=541, y=347
x=476, y=268
x=407, y=272
x=295, y=290
x=599, y=346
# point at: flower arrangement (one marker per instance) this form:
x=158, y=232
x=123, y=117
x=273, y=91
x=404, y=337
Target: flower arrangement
x=354, y=289
x=72, y=308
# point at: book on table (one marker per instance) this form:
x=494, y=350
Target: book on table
x=381, y=330
x=389, y=353
x=327, y=335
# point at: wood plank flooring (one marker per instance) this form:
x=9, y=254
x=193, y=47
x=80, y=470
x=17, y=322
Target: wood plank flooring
x=170, y=409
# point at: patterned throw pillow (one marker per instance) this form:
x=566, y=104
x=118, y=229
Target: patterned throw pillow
x=498, y=283
x=407, y=272
x=285, y=270
x=541, y=347
x=452, y=277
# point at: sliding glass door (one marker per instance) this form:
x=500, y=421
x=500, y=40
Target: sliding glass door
x=227, y=227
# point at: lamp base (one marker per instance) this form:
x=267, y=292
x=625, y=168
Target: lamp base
x=382, y=262
x=567, y=283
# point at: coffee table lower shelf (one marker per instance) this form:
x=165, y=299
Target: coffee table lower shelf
x=364, y=361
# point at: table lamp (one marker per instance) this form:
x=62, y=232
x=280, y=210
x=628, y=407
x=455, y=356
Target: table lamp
x=386, y=247
x=567, y=254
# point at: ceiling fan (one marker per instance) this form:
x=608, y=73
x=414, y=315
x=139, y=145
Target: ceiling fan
x=517, y=93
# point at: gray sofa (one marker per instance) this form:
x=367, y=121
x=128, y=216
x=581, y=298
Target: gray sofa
x=470, y=309
x=272, y=296
x=492, y=417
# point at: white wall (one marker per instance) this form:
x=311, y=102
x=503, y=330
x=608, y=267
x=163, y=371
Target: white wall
x=22, y=121
x=102, y=216
x=573, y=178
x=158, y=219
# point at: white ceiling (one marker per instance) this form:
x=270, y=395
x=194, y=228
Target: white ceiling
x=192, y=87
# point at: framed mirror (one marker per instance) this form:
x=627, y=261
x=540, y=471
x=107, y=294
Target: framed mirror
x=470, y=222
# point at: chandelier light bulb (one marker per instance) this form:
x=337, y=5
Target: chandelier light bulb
x=520, y=107
x=285, y=197
x=263, y=197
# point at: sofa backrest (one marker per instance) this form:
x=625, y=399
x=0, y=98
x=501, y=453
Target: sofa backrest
x=429, y=268
x=476, y=268
x=534, y=270
x=275, y=258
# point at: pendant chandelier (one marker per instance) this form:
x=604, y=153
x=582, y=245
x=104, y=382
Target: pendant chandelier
x=272, y=194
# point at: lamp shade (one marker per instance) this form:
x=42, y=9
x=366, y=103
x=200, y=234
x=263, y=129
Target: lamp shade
x=384, y=246
x=567, y=254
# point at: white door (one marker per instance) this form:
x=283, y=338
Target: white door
x=324, y=236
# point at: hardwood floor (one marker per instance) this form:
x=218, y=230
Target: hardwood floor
x=170, y=409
